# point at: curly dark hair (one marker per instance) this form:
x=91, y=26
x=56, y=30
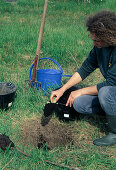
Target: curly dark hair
x=103, y=25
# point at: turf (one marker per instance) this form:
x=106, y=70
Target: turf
x=66, y=40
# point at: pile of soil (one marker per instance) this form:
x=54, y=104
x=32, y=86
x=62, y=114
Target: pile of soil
x=53, y=133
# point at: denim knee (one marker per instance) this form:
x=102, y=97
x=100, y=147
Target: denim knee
x=77, y=105
x=104, y=95
x=86, y=104
x=107, y=99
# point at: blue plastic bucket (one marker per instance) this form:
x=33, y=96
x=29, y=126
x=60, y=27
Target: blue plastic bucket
x=49, y=78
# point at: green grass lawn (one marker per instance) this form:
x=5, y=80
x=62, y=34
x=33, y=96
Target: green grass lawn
x=66, y=40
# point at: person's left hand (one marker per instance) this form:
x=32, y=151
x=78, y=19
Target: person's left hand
x=72, y=96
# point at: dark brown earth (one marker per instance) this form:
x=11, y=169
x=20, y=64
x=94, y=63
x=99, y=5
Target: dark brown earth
x=49, y=131
x=53, y=133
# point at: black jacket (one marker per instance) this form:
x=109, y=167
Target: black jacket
x=105, y=60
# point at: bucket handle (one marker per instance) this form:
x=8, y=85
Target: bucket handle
x=54, y=62
x=57, y=65
x=48, y=59
x=51, y=60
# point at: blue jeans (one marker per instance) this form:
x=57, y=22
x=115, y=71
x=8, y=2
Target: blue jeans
x=105, y=101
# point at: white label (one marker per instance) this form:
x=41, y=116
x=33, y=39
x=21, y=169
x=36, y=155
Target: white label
x=66, y=115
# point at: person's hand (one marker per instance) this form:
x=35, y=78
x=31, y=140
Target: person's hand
x=72, y=96
x=56, y=94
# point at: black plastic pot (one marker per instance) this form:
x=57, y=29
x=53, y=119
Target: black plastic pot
x=7, y=94
x=63, y=112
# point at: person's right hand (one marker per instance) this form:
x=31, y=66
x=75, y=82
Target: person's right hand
x=57, y=94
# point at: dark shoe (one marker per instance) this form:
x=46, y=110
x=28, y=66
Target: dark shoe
x=107, y=140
